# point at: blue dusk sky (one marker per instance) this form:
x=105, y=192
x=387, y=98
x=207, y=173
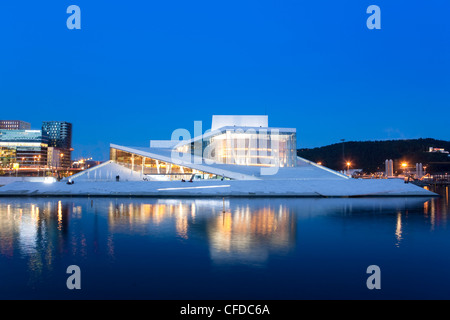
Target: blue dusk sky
x=137, y=70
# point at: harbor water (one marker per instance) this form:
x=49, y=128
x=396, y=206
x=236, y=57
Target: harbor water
x=232, y=248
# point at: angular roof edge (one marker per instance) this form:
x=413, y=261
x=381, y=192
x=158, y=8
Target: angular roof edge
x=209, y=133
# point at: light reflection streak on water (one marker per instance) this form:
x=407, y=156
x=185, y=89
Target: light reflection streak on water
x=59, y=216
x=433, y=214
x=398, y=229
x=446, y=195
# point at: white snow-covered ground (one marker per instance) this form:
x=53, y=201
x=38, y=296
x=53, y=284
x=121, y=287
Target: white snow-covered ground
x=249, y=188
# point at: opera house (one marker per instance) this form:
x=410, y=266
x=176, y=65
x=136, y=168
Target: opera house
x=238, y=156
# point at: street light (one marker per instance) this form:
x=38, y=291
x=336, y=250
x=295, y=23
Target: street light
x=39, y=162
x=348, y=166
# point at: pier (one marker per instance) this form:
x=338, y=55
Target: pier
x=433, y=180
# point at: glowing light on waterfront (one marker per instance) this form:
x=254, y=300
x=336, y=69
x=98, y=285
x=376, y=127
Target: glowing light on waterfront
x=49, y=180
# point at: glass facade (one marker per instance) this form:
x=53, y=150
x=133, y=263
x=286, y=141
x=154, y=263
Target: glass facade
x=152, y=167
x=60, y=137
x=28, y=148
x=247, y=146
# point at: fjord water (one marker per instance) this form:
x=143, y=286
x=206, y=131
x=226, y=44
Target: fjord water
x=279, y=248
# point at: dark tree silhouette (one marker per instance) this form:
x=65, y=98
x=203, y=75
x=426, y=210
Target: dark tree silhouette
x=371, y=155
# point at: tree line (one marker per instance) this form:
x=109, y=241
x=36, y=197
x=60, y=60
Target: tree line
x=370, y=156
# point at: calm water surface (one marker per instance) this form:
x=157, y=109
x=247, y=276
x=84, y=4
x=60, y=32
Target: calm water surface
x=256, y=249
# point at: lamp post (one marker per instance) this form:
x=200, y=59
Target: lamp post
x=61, y=156
x=39, y=163
x=348, y=166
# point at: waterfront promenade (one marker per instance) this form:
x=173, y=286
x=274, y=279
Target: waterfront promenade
x=217, y=188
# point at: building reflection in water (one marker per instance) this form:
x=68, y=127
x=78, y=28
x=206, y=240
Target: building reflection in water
x=248, y=236
x=37, y=232
x=137, y=217
x=241, y=233
x=436, y=209
x=236, y=231
x=24, y=227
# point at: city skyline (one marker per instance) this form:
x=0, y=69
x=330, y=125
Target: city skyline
x=133, y=74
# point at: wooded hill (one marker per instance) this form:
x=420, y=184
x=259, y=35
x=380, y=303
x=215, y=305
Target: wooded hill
x=371, y=155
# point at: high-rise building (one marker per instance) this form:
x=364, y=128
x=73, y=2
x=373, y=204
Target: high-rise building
x=14, y=125
x=28, y=148
x=60, y=137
